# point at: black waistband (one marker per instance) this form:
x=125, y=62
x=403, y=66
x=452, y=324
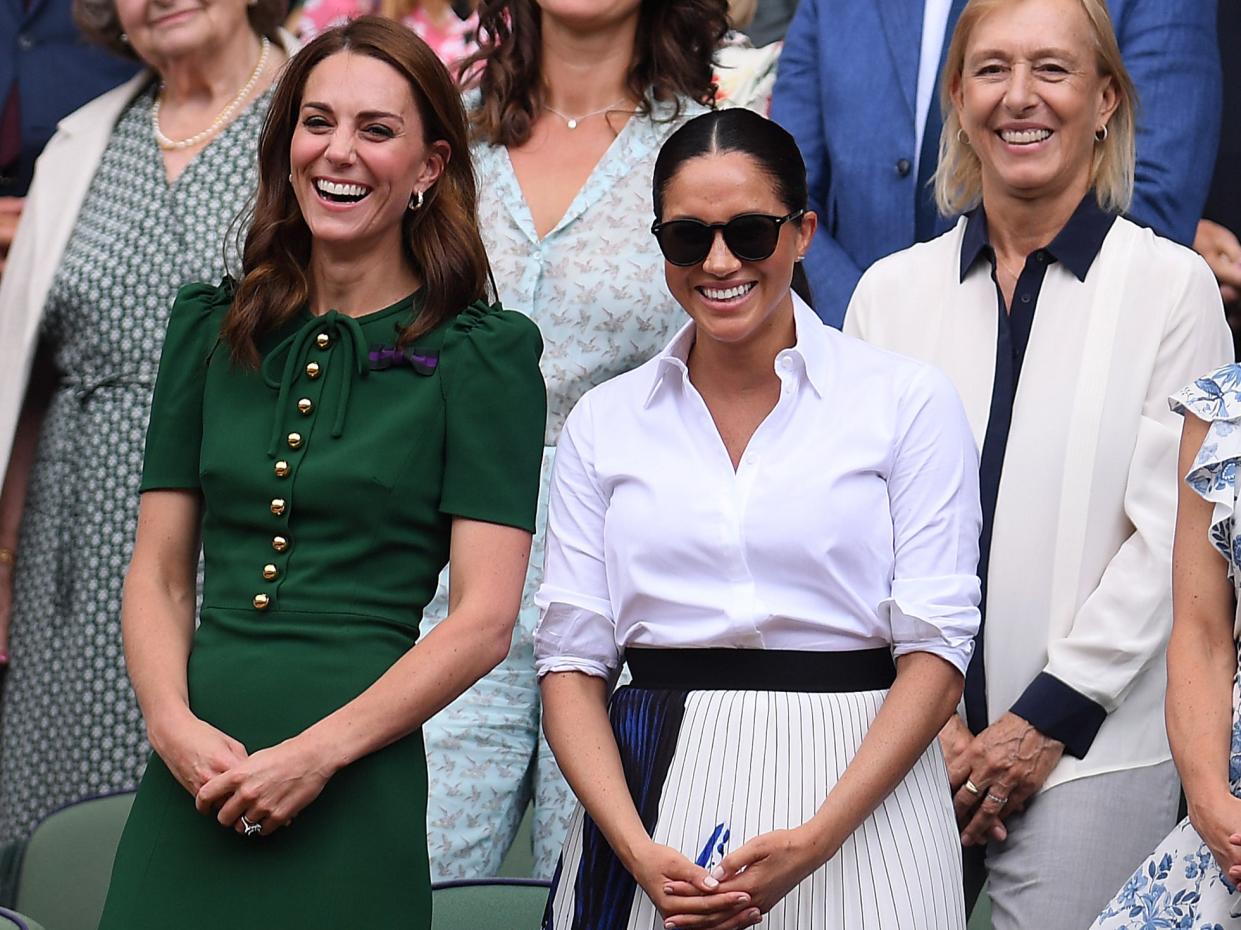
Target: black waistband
x=761, y=669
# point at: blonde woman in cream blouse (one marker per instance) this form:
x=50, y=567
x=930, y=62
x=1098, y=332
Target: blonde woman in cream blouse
x=1060, y=763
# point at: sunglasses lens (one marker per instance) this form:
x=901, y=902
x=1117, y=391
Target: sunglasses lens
x=752, y=238
x=685, y=242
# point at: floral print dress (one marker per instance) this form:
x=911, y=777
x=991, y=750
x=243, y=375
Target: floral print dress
x=1180, y=887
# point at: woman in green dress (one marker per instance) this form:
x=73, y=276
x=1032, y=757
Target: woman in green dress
x=335, y=426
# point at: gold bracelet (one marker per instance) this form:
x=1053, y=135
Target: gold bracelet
x=7, y=556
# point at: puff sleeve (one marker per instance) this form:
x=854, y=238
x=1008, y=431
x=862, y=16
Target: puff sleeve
x=496, y=412
x=174, y=434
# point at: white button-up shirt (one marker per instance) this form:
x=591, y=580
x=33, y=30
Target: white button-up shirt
x=851, y=521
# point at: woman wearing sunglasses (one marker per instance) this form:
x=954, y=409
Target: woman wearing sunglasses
x=775, y=526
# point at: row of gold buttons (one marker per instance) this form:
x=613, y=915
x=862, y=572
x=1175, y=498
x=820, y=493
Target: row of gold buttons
x=305, y=406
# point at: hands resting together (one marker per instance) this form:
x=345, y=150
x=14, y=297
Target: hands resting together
x=268, y=788
x=994, y=773
x=736, y=893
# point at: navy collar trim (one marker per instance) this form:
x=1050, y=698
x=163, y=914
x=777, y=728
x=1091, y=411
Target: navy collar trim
x=1076, y=246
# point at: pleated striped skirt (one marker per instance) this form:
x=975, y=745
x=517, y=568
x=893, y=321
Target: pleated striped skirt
x=716, y=761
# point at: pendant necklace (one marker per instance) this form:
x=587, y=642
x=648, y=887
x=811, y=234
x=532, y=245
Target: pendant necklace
x=572, y=121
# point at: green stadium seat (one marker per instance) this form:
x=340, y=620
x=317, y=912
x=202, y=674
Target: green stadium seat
x=11, y=920
x=68, y=863
x=494, y=904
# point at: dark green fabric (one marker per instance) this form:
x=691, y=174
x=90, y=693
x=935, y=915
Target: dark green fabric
x=489, y=906
x=387, y=457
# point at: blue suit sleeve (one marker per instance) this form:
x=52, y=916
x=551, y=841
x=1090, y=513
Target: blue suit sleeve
x=797, y=107
x=1171, y=51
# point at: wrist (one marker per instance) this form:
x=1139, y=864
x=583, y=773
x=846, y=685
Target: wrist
x=819, y=840
x=1202, y=800
x=632, y=849
x=163, y=724
x=326, y=750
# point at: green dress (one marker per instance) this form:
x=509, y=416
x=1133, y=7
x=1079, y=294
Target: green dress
x=329, y=477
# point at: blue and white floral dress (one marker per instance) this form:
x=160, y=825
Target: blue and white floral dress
x=1180, y=887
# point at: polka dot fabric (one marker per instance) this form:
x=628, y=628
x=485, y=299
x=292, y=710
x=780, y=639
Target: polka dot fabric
x=70, y=727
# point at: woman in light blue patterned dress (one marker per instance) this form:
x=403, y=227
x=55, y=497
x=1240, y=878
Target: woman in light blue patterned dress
x=1190, y=881
x=564, y=208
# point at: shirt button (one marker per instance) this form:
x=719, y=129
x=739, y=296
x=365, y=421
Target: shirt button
x=304, y=406
x=312, y=370
x=295, y=440
x=323, y=340
x=261, y=601
x=903, y=167
x=786, y=363
x=279, y=543
x=282, y=469
x=270, y=572
x=1025, y=298
x=1040, y=256
x=25, y=42
x=277, y=505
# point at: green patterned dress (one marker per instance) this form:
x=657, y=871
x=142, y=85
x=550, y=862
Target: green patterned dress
x=330, y=476
x=69, y=725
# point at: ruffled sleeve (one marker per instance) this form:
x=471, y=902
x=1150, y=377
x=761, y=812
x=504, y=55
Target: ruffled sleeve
x=1216, y=398
x=496, y=412
x=174, y=435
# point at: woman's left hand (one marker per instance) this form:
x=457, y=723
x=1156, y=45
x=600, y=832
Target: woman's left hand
x=269, y=788
x=770, y=866
x=1009, y=762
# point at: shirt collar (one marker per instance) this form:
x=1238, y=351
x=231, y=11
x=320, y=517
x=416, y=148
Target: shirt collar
x=810, y=350
x=1076, y=246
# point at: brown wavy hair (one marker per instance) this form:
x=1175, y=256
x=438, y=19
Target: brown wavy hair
x=442, y=243
x=672, y=61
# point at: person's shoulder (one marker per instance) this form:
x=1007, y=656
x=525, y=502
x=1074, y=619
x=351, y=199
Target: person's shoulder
x=484, y=341
x=620, y=396
x=1166, y=269
x=866, y=363
x=917, y=259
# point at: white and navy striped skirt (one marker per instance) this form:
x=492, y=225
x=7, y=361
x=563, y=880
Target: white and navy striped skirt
x=722, y=745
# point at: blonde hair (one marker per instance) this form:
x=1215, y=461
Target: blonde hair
x=958, y=179
x=741, y=12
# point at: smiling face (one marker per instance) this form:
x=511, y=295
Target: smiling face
x=733, y=301
x=162, y=30
x=1030, y=99
x=358, y=153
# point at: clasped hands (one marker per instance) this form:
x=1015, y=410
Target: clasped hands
x=1006, y=764
x=269, y=787
x=736, y=893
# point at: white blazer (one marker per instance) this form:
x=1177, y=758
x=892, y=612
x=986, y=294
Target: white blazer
x=1079, y=582
x=62, y=176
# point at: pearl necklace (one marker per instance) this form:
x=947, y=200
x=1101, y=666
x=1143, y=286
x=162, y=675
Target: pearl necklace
x=572, y=121
x=220, y=121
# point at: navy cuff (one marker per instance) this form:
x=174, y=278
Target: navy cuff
x=1056, y=710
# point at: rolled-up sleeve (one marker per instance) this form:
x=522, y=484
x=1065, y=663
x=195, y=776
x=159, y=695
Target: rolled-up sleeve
x=576, y=631
x=936, y=519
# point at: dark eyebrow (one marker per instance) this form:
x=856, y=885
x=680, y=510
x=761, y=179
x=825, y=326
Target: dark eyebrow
x=365, y=115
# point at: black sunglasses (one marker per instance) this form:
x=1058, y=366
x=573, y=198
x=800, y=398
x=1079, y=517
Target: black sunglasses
x=751, y=237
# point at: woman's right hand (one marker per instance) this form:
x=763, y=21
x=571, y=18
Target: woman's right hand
x=1218, y=822
x=195, y=751
x=684, y=893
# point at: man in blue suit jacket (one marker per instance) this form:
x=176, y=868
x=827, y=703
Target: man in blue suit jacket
x=53, y=70
x=851, y=78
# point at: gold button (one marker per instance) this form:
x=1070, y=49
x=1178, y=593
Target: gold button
x=304, y=406
x=277, y=505
x=322, y=340
x=295, y=440
x=312, y=369
x=279, y=543
x=261, y=601
x=282, y=469
x=270, y=572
